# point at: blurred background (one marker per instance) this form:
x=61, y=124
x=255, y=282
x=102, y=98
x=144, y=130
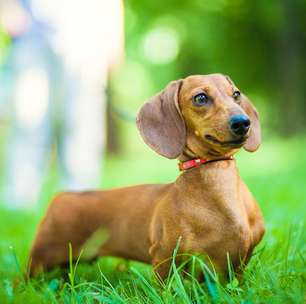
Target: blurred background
x=74, y=73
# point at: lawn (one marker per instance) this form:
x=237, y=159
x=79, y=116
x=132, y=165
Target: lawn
x=276, y=274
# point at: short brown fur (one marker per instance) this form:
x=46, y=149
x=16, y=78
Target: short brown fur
x=209, y=207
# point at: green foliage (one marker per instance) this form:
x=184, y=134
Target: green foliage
x=4, y=45
x=259, y=44
x=276, y=273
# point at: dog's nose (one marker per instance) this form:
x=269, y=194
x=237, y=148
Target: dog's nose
x=239, y=124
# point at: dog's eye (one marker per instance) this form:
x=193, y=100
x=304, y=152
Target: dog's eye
x=236, y=94
x=200, y=100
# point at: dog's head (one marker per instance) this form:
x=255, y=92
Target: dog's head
x=200, y=116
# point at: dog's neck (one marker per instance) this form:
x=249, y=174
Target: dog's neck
x=214, y=181
x=188, y=159
x=209, y=155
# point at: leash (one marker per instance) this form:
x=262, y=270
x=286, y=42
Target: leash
x=197, y=162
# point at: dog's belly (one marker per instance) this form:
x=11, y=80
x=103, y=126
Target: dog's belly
x=131, y=213
x=128, y=238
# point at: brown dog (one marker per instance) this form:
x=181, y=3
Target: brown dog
x=208, y=206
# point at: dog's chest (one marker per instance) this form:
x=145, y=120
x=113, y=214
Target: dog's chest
x=217, y=235
x=216, y=223
x=212, y=212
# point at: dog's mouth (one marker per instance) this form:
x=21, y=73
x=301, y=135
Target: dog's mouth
x=232, y=143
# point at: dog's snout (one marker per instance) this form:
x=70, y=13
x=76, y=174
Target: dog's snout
x=239, y=124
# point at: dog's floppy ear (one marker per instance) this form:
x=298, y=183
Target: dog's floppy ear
x=161, y=124
x=254, y=139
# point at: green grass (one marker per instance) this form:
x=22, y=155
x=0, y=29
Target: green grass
x=276, y=274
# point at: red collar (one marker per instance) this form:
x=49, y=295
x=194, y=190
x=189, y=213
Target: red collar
x=197, y=162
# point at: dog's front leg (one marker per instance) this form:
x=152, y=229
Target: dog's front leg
x=159, y=253
x=160, y=261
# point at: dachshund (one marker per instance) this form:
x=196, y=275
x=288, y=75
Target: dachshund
x=201, y=120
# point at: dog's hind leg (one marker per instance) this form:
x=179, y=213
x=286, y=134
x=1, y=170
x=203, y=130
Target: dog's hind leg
x=65, y=223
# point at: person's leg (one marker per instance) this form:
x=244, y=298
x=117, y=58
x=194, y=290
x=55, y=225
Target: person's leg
x=83, y=135
x=87, y=61
x=29, y=137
